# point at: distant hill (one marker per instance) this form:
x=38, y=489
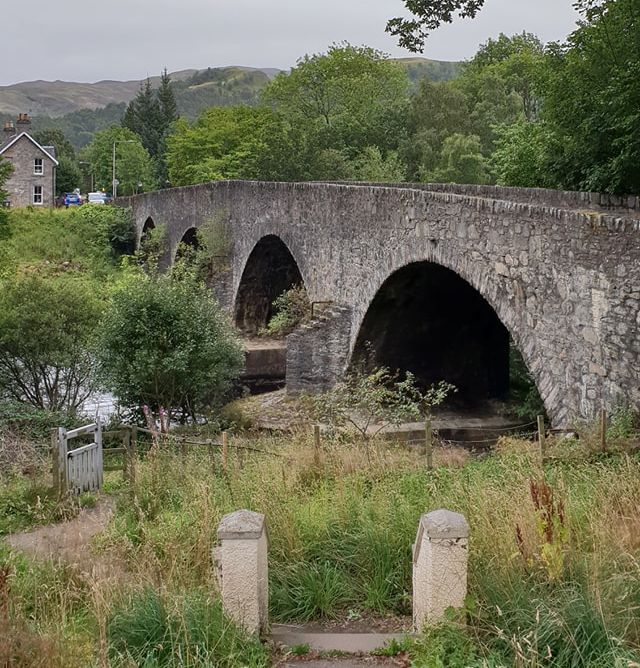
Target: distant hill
x=82, y=109
x=58, y=98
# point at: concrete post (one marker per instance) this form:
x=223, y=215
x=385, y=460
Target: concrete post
x=243, y=571
x=440, y=557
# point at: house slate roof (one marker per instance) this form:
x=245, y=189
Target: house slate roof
x=32, y=140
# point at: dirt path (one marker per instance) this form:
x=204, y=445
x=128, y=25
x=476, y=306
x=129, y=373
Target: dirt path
x=70, y=542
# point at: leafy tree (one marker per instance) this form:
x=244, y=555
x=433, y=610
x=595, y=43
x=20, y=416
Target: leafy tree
x=592, y=101
x=524, y=154
x=134, y=168
x=427, y=15
x=461, y=161
x=46, y=325
x=346, y=100
x=68, y=175
x=437, y=111
x=370, y=401
x=292, y=308
x=371, y=165
x=231, y=143
x=57, y=138
x=164, y=343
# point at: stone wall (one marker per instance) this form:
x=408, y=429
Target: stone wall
x=318, y=352
x=565, y=282
x=20, y=185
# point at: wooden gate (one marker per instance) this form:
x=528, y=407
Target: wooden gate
x=80, y=469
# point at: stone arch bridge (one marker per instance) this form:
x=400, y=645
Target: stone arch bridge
x=438, y=278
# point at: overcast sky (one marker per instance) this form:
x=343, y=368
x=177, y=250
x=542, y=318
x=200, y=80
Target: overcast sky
x=76, y=40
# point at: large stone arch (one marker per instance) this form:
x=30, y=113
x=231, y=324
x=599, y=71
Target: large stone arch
x=269, y=269
x=485, y=283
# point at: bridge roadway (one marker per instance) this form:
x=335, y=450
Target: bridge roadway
x=437, y=277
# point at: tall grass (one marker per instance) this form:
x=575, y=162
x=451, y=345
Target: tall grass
x=340, y=539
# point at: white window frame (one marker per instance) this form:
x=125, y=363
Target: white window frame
x=38, y=167
x=37, y=196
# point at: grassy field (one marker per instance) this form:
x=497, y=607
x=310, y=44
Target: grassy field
x=552, y=581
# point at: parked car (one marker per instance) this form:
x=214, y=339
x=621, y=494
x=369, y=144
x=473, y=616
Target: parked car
x=72, y=199
x=97, y=198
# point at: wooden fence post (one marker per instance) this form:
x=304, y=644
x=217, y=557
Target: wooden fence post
x=55, y=464
x=126, y=446
x=603, y=430
x=542, y=438
x=133, y=451
x=62, y=461
x=225, y=450
x=99, y=454
x=428, y=443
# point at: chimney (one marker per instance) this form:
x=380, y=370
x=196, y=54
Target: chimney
x=23, y=123
x=9, y=129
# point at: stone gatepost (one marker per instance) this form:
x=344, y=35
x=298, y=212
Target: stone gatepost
x=440, y=556
x=241, y=560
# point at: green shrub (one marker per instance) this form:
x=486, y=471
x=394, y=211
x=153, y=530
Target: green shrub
x=165, y=343
x=46, y=326
x=292, y=308
x=148, y=630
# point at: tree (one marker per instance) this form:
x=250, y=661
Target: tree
x=164, y=343
x=134, y=168
x=151, y=115
x=437, y=111
x=144, y=117
x=370, y=401
x=517, y=64
x=231, y=143
x=524, y=155
x=46, y=325
x=427, y=15
x=167, y=102
x=345, y=100
x=461, y=161
x=592, y=102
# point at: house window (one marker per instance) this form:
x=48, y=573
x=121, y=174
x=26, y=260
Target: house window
x=37, y=194
x=38, y=167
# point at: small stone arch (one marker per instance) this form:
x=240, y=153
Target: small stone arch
x=269, y=270
x=148, y=226
x=188, y=245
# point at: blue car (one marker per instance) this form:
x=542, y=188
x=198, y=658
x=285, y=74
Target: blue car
x=72, y=199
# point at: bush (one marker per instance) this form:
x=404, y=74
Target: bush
x=46, y=325
x=292, y=308
x=164, y=343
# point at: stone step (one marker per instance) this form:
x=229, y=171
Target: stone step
x=351, y=643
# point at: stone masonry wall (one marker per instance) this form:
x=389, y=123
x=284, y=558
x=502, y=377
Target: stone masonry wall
x=318, y=353
x=564, y=281
x=20, y=184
